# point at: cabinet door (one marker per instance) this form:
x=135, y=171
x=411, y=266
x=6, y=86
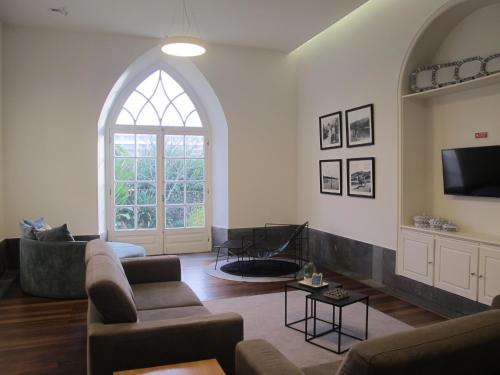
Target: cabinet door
x=456, y=267
x=489, y=273
x=416, y=256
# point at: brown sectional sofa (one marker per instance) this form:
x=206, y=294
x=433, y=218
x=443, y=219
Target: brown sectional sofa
x=141, y=314
x=467, y=345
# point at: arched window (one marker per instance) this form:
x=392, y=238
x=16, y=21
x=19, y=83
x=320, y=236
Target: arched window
x=158, y=166
x=159, y=101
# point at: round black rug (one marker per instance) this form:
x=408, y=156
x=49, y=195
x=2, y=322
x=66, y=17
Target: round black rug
x=261, y=268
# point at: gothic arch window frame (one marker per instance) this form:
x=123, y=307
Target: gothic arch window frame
x=112, y=127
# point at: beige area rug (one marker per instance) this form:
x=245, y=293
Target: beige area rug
x=264, y=318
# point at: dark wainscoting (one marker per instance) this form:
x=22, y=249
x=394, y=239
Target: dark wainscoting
x=372, y=265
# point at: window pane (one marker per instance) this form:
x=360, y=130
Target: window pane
x=124, y=169
x=194, y=146
x=147, y=87
x=195, y=169
x=195, y=216
x=124, y=218
x=148, y=116
x=124, y=144
x=159, y=101
x=146, y=145
x=174, y=216
x=174, y=169
x=174, y=193
x=172, y=117
x=194, y=121
x=146, y=217
x=194, y=192
x=134, y=103
x=184, y=105
x=174, y=146
x=146, y=169
x=124, y=118
x=171, y=87
x=146, y=193
x=124, y=193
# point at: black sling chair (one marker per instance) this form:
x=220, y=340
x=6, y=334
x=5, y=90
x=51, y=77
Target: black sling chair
x=265, y=245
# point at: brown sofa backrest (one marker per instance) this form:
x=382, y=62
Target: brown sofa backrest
x=467, y=345
x=107, y=286
x=100, y=247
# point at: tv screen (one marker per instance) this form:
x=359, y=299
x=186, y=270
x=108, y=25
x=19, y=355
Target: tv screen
x=472, y=171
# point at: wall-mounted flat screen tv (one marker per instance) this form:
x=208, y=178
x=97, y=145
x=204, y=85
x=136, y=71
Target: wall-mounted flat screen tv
x=473, y=171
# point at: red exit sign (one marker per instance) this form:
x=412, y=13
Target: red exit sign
x=480, y=135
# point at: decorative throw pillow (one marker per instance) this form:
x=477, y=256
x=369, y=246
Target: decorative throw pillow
x=27, y=231
x=55, y=234
x=39, y=224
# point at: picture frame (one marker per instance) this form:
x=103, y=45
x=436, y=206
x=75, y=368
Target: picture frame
x=361, y=177
x=360, y=126
x=330, y=131
x=330, y=176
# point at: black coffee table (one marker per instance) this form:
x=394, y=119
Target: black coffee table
x=314, y=298
x=298, y=286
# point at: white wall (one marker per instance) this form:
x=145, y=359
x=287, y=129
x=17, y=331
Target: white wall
x=257, y=92
x=355, y=62
x=55, y=86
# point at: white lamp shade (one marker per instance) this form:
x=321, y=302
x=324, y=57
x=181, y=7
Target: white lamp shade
x=184, y=46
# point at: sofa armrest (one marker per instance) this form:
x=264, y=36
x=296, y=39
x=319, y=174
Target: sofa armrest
x=259, y=357
x=152, y=269
x=114, y=347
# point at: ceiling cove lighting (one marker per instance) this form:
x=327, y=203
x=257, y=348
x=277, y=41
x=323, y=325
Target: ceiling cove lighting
x=183, y=43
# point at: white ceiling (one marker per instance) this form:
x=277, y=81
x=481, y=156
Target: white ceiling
x=274, y=24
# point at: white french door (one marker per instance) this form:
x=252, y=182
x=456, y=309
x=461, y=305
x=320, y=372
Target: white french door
x=159, y=189
x=158, y=169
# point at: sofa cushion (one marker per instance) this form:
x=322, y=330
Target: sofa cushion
x=328, y=368
x=59, y=234
x=459, y=346
x=109, y=290
x=171, y=313
x=164, y=295
x=126, y=250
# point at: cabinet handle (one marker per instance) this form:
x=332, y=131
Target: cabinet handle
x=480, y=276
x=429, y=262
x=472, y=274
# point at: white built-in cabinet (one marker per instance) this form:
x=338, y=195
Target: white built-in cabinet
x=456, y=266
x=416, y=256
x=464, y=267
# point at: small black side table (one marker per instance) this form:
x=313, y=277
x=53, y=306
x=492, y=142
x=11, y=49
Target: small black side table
x=319, y=297
x=296, y=285
x=234, y=247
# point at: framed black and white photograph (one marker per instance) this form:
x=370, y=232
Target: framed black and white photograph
x=359, y=126
x=361, y=177
x=330, y=175
x=330, y=131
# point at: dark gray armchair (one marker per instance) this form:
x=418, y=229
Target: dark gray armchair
x=53, y=269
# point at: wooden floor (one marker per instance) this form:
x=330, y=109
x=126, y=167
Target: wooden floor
x=43, y=336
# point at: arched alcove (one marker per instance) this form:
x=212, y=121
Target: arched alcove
x=447, y=118
x=210, y=110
